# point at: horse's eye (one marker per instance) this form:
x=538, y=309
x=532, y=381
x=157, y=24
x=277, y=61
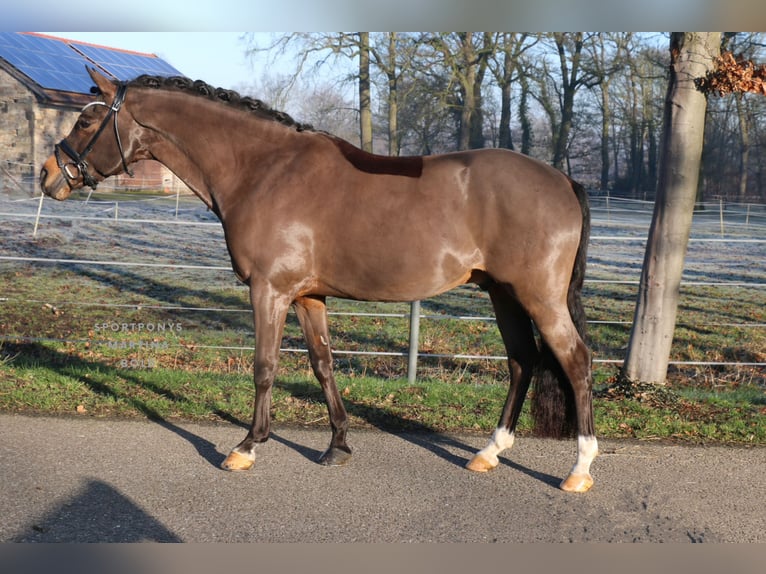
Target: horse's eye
x=83, y=124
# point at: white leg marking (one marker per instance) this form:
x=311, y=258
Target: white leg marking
x=587, y=449
x=501, y=440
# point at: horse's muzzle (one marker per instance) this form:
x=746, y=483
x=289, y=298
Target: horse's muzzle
x=52, y=182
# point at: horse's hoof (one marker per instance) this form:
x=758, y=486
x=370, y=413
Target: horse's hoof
x=238, y=461
x=334, y=456
x=577, y=483
x=480, y=463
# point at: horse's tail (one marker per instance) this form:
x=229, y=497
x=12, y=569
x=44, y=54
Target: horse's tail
x=553, y=395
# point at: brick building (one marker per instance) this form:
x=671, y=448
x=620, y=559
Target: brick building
x=43, y=86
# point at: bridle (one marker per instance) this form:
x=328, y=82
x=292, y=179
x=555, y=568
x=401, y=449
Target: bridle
x=78, y=158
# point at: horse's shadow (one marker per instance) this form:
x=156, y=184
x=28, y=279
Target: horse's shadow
x=307, y=452
x=447, y=447
x=99, y=375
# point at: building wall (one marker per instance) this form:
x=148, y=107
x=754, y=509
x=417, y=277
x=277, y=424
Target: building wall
x=28, y=132
x=17, y=121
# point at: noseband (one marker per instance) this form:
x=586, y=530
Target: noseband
x=78, y=158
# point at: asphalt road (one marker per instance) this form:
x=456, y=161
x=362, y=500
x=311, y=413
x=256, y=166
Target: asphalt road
x=89, y=480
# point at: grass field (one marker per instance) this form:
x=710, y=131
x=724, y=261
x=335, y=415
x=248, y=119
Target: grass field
x=175, y=342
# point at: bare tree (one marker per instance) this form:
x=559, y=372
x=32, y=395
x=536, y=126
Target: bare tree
x=509, y=47
x=365, y=99
x=464, y=56
x=556, y=93
x=325, y=108
x=388, y=63
x=426, y=123
x=392, y=53
x=607, y=52
x=525, y=123
x=692, y=57
x=323, y=46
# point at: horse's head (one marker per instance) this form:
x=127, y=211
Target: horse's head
x=97, y=147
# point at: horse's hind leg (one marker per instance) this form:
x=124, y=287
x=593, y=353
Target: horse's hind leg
x=561, y=335
x=516, y=330
x=312, y=315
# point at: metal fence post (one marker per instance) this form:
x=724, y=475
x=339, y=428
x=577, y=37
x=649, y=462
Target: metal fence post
x=412, y=358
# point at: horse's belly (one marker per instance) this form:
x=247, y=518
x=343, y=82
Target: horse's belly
x=403, y=277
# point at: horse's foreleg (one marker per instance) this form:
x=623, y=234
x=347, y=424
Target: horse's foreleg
x=269, y=319
x=312, y=315
x=518, y=337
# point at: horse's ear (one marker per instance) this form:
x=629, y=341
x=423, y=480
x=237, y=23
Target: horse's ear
x=105, y=86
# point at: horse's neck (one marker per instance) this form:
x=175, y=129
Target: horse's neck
x=183, y=166
x=204, y=154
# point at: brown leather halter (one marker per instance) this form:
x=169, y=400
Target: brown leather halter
x=78, y=158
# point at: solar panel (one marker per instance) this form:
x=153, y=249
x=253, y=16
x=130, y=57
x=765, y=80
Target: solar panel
x=126, y=65
x=59, y=64
x=50, y=63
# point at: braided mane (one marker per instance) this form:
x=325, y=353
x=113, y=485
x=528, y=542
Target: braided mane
x=367, y=162
x=230, y=97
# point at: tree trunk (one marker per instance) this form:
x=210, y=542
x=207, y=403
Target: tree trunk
x=569, y=86
x=476, y=131
x=524, y=120
x=467, y=91
x=365, y=106
x=510, y=46
x=744, y=142
x=393, y=98
x=504, y=80
x=476, y=140
x=648, y=354
x=606, y=121
x=651, y=166
x=636, y=141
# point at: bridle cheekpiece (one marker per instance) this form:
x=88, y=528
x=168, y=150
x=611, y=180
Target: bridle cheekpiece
x=78, y=158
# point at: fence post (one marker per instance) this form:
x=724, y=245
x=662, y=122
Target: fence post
x=412, y=357
x=720, y=210
x=37, y=218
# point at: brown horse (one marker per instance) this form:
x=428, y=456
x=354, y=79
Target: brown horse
x=308, y=216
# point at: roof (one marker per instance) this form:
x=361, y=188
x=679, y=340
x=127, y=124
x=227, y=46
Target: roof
x=54, y=68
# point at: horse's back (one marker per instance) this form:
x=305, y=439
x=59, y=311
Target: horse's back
x=502, y=171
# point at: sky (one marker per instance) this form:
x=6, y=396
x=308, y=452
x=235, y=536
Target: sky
x=391, y=15
x=217, y=58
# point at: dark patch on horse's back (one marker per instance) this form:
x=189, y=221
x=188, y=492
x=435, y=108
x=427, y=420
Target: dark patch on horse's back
x=407, y=166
